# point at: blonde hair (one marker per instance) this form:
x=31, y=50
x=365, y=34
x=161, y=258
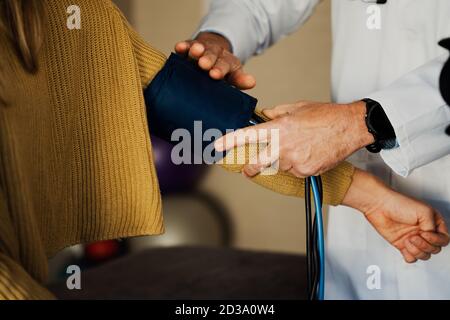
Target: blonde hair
x=22, y=20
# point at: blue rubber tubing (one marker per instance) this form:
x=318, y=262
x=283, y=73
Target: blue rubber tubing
x=320, y=237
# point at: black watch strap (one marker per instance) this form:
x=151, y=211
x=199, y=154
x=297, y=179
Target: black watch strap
x=379, y=126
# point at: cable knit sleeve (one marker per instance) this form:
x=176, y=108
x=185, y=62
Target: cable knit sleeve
x=76, y=162
x=17, y=284
x=149, y=59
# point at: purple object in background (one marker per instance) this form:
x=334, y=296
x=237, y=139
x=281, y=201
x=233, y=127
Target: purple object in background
x=174, y=178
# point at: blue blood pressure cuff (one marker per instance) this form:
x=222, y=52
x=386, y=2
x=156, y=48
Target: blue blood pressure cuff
x=182, y=96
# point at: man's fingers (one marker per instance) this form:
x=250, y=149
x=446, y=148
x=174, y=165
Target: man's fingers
x=285, y=109
x=208, y=60
x=218, y=61
x=241, y=80
x=220, y=69
x=279, y=111
x=423, y=245
x=416, y=252
x=436, y=239
x=183, y=47
x=197, y=50
x=264, y=159
x=230, y=141
x=409, y=258
x=256, y=134
x=297, y=173
x=284, y=165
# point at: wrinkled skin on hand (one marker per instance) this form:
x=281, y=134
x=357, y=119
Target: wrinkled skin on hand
x=313, y=137
x=213, y=53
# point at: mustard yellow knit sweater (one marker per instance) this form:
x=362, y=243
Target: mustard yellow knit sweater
x=76, y=162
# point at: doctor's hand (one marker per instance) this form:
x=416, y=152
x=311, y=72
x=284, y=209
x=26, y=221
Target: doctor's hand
x=213, y=53
x=414, y=228
x=313, y=137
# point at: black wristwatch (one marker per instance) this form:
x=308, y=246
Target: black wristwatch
x=379, y=126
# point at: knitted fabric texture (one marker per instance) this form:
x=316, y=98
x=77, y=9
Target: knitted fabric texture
x=76, y=162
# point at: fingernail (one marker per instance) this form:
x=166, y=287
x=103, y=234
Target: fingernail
x=216, y=73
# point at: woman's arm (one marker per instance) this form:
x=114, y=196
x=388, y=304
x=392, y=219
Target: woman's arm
x=414, y=228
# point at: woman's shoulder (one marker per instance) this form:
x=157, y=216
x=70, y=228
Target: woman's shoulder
x=84, y=14
x=97, y=29
x=89, y=5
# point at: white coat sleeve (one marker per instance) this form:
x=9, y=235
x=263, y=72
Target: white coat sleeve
x=419, y=116
x=253, y=25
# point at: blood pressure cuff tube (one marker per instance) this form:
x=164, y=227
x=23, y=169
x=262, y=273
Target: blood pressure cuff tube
x=182, y=96
x=444, y=81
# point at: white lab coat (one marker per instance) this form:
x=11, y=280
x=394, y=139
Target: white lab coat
x=399, y=66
